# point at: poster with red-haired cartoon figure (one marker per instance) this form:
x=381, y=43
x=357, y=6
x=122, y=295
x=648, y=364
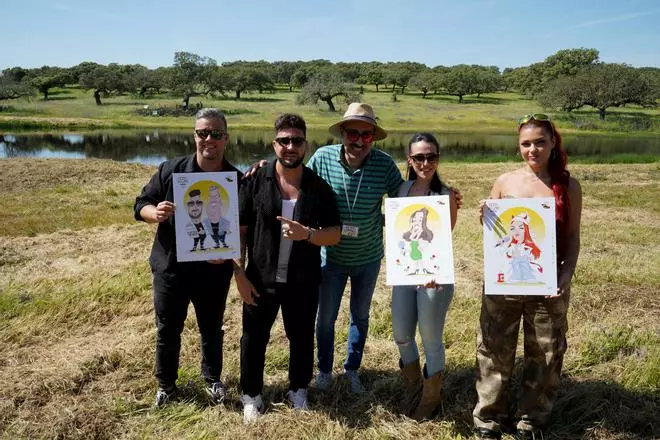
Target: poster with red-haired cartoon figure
x=418, y=241
x=206, y=216
x=520, y=246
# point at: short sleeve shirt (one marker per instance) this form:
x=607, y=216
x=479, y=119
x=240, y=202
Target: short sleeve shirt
x=361, y=206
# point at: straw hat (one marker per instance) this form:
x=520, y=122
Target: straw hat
x=358, y=111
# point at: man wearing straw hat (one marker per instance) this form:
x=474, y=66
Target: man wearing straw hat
x=360, y=176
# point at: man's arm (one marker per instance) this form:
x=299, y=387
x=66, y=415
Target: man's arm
x=156, y=214
x=245, y=288
x=292, y=230
x=393, y=179
x=150, y=206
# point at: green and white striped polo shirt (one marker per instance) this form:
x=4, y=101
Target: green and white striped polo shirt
x=380, y=176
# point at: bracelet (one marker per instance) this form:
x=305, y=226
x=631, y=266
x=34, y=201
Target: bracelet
x=309, y=234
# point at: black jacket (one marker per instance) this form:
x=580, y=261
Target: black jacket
x=260, y=202
x=163, y=253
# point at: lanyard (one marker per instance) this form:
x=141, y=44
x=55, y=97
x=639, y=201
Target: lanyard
x=350, y=207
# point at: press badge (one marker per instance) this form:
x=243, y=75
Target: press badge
x=349, y=229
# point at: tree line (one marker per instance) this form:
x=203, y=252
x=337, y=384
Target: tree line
x=566, y=80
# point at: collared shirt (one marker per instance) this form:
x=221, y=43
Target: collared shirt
x=260, y=202
x=163, y=252
x=377, y=176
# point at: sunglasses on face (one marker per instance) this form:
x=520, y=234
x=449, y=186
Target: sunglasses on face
x=215, y=134
x=430, y=158
x=535, y=116
x=296, y=141
x=354, y=135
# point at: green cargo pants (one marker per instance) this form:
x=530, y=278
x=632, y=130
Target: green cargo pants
x=544, y=328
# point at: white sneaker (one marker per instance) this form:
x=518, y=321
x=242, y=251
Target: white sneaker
x=298, y=399
x=323, y=381
x=253, y=408
x=354, y=380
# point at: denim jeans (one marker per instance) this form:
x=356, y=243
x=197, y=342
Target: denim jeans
x=333, y=281
x=428, y=307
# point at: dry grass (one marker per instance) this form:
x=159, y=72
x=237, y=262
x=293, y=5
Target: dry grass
x=77, y=331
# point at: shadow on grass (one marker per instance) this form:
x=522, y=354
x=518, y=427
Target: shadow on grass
x=59, y=98
x=582, y=407
x=467, y=99
x=252, y=99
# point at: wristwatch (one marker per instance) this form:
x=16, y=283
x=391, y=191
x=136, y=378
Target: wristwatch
x=309, y=234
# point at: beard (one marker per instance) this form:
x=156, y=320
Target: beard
x=294, y=164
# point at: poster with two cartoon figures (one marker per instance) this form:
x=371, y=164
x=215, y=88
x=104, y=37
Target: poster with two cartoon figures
x=418, y=240
x=520, y=246
x=206, y=216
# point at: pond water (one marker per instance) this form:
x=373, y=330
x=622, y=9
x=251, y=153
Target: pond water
x=153, y=147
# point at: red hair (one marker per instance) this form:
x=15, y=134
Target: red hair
x=527, y=241
x=559, y=175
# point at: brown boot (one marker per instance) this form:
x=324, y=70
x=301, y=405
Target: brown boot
x=431, y=396
x=412, y=379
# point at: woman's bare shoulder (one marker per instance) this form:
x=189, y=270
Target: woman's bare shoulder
x=508, y=177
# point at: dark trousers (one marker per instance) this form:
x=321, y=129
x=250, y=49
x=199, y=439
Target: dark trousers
x=171, y=300
x=299, y=305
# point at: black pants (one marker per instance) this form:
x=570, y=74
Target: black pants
x=171, y=300
x=299, y=305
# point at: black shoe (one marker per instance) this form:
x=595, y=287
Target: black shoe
x=488, y=434
x=528, y=434
x=164, y=396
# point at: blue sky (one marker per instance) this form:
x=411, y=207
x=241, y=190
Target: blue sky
x=505, y=33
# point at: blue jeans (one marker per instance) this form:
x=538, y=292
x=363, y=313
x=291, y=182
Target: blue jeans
x=428, y=307
x=331, y=290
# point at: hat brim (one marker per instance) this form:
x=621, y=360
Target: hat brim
x=335, y=129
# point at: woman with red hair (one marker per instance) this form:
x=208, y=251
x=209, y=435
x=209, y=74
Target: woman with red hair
x=544, y=174
x=520, y=248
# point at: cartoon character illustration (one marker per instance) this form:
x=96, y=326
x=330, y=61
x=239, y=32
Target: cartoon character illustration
x=214, y=212
x=195, y=207
x=418, y=238
x=519, y=247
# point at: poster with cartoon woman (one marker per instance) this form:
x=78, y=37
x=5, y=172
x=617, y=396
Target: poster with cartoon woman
x=206, y=216
x=520, y=246
x=418, y=241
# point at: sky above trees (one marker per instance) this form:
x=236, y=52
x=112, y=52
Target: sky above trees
x=504, y=33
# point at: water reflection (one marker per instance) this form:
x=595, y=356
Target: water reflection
x=248, y=146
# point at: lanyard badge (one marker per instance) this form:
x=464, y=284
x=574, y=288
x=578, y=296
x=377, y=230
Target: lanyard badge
x=351, y=229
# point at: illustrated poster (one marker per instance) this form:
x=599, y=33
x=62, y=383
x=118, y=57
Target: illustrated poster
x=206, y=216
x=418, y=241
x=520, y=246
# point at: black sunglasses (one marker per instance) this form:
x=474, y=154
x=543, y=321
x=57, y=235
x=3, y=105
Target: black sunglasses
x=430, y=157
x=215, y=134
x=296, y=141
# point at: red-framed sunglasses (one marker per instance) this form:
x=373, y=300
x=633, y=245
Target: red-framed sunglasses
x=354, y=135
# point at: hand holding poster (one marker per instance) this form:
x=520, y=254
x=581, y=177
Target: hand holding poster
x=418, y=241
x=520, y=246
x=206, y=216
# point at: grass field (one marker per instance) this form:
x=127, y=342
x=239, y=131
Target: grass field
x=72, y=108
x=77, y=331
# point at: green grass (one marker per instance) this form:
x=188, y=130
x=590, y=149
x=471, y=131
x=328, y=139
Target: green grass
x=76, y=320
x=492, y=113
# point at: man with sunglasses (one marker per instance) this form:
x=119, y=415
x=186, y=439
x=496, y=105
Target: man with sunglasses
x=360, y=176
x=175, y=284
x=286, y=214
